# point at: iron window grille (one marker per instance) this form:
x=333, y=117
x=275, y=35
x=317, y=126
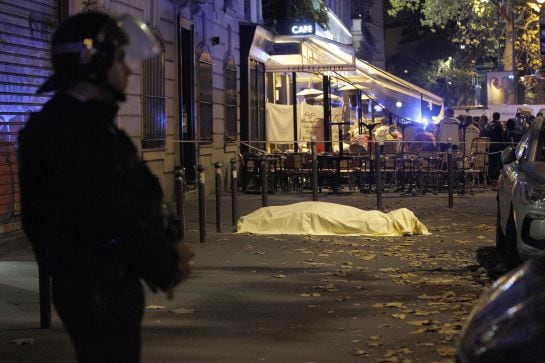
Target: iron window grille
x=153, y=102
x=205, y=116
x=230, y=86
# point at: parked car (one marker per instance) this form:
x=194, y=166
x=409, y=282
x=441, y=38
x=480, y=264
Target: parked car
x=508, y=322
x=520, y=227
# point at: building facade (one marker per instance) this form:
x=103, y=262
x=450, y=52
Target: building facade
x=203, y=99
x=182, y=107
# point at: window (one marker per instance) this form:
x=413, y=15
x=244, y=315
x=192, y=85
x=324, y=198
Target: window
x=205, y=116
x=153, y=102
x=523, y=146
x=230, y=79
x=257, y=102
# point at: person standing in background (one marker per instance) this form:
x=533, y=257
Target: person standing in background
x=448, y=131
x=470, y=132
x=494, y=131
x=483, y=121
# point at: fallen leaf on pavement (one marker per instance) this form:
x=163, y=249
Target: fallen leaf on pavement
x=155, y=307
x=182, y=311
x=425, y=313
x=446, y=351
x=428, y=329
x=22, y=341
x=398, y=305
x=393, y=359
x=304, y=294
x=429, y=297
x=420, y=322
x=399, y=316
x=358, y=352
x=425, y=344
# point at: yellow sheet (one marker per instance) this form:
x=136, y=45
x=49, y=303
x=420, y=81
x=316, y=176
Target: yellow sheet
x=321, y=218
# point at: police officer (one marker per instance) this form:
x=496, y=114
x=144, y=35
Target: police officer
x=90, y=207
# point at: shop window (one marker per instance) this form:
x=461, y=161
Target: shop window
x=153, y=102
x=205, y=115
x=257, y=102
x=230, y=86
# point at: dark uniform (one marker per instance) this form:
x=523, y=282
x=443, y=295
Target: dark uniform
x=494, y=131
x=91, y=210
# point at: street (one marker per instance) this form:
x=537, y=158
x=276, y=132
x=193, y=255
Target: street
x=297, y=298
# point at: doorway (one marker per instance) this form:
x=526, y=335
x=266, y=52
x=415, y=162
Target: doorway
x=187, y=127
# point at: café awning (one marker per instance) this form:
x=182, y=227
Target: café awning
x=309, y=54
x=312, y=54
x=369, y=75
x=284, y=53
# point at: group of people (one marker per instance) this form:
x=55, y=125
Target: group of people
x=460, y=132
x=457, y=133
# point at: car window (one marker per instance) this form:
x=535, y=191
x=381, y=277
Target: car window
x=540, y=151
x=522, y=147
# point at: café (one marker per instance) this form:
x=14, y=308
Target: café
x=305, y=89
x=304, y=81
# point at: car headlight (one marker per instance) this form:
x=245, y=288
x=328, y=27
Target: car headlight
x=533, y=194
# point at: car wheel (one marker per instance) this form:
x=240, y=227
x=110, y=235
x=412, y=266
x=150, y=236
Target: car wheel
x=506, y=244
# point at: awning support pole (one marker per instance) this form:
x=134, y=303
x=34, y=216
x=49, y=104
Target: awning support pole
x=359, y=112
x=327, y=114
x=294, y=99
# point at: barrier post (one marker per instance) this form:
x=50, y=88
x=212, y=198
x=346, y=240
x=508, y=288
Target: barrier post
x=179, y=190
x=202, y=203
x=450, y=176
x=314, y=168
x=264, y=188
x=218, y=166
x=378, y=173
x=234, y=192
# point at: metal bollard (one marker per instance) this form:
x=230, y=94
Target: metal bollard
x=218, y=166
x=179, y=189
x=202, y=205
x=450, y=175
x=314, y=169
x=264, y=188
x=44, y=283
x=378, y=173
x=234, y=192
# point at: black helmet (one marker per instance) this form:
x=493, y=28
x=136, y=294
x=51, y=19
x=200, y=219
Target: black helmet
x=83, y=47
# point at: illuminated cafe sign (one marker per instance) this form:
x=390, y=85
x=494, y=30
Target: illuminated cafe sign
x=300, y=28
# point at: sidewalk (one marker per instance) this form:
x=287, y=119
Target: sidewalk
x=297, y=298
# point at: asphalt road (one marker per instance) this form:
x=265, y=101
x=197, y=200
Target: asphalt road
x=297, y=298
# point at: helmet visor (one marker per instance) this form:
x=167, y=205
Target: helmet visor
x=143, y=43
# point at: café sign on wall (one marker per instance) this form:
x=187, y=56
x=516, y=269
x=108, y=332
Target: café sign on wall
x=300, y=28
